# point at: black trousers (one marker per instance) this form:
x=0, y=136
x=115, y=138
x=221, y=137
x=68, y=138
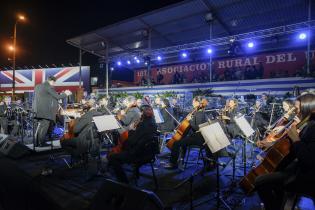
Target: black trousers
x=194, y=139
x=271, y=188
x=44, y=127
x=115, y=161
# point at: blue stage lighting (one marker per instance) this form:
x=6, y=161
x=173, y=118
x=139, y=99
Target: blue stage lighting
x=302, y=36
x=138, y=61
x=119, y=63
x=209, y=51
x=128, y=62
x=250, y=44
x=112, y=68
x=184, y=55
x=159, y=58
x=135, y=58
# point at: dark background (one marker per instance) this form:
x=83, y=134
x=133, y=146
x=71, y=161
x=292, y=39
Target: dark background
x=42, y=38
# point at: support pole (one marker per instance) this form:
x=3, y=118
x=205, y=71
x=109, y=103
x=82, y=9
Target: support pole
x=80, y=68
x=210, y=60
x=107, y=65
x=14, y=57
x=149, y=59
x=309, y=38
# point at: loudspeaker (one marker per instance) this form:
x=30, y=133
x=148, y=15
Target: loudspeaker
x=3, y=138
x=14, y=149
x=118, y=196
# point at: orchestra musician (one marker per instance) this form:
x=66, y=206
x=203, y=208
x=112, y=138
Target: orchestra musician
x=134, y=148
x=298, y=176
x=228, y=115
x=167, y=112
x=195, y=138
x=3, y=117
x=45, y=108
x=131, y=114
x=289, y=113
x=260, y=116
x=85, y=133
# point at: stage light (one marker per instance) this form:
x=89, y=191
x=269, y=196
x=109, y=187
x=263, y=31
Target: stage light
x=159, y=58
x=138, y=61
x=112, y=68
x=146, y=63
x=128, y=62
x=184, y=55
x=302, y=36
x=250, y=44
x=135, y=58
x=119, y=63
x=209, y=51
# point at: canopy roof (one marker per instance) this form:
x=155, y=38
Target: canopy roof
x=186, y=25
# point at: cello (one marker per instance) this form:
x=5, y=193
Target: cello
x=275, y=156
x=182, y=129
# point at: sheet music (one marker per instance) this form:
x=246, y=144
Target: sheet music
x=245, y=127
x=158, y=116
x=214, y=137
x=106, y=123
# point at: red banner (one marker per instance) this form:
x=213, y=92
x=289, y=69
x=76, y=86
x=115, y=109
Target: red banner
x=269, y=65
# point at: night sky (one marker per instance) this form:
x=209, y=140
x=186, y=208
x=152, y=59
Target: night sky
x=41, y=40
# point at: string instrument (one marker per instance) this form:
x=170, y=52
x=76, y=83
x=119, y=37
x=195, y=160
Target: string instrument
x=69, y=123
x=180, y=130
x=123, y=139
x=282, y=120
x=275, y=156
x=278, y=129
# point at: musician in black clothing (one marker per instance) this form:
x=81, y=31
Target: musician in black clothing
x=135, y=149
x=299, y=175
x=199, y=117
x=85, y=132
x=166, y=112
x=231, y=112
x=3, y=117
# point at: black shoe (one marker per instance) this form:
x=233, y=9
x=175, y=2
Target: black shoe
x=170, y=166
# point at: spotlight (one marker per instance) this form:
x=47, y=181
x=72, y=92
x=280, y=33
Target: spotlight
x=135, y=58
x=146, y=63
x=302, y=36
x=184, y=55
x=209, y=51
x=112, y=68
x=119, y=63
x=250, y=44
x=159, y=58
x=128, y=62
x=138, y=61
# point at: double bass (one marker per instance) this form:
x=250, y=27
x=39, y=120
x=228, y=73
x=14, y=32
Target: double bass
x=275, y=157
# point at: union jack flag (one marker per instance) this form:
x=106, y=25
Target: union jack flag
x=26, y=80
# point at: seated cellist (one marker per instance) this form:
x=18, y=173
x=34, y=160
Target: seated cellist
x=85, y=134
x=289, y=114
x=299, y=175
x=195, y=138
x=134, y=146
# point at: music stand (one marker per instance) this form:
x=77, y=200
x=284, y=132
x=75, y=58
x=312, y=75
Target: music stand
x=248, y=132
x=216, y=139
x=158, y=116
x=106, y=123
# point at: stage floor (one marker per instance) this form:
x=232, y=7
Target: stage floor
x=73, y=188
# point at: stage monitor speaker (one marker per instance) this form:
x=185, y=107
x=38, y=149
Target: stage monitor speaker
x=14, y=149
x=118, y=196
x=3, y=138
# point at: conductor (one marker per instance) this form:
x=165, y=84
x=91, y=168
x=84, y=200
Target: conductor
x=46, y=108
